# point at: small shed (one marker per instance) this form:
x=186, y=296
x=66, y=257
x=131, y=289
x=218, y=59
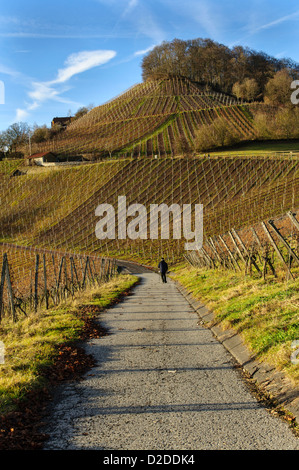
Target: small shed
x=62, y=121
x=42, y=159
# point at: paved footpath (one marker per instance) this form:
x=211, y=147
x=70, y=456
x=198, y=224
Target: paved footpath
x=162, y=382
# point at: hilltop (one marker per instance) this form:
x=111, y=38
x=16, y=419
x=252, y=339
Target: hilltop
x=196, y=95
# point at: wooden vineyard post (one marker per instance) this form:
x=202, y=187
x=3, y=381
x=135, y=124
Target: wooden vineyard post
x=209, y=259
x=276, y=248
x=87, y=264
x=204, y=259
x=236, y=246
x=59, y=279
x=214, y=249
x=265, y=256
x=293, y=219
x=235, y=262
x=291, y=252
x=36, y=282
x=72, y=276
x=95, y=272
x=90, y=270
x=250, y=258
x=3, y=272
x=45, y=282
x=102, y=268
x=267, y=260
x=241, y=243
x=108, y=269
x=73, y=271
x=10, y=293
x=54, y=268
x=65, y=289
x=225, y=261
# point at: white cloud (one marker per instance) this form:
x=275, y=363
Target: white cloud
x=21, y=114
x=131, y=5
x=42, y=92
x=254, y=28
x=9, y=71
x=76, y=63
x=144, y=51
x=280, y=20
x=81, y=62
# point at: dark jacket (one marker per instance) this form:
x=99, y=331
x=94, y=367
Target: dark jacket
x=163, y=266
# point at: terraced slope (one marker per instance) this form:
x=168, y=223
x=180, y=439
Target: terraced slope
x=152, y=118
x=34, y=202
x=56, y=209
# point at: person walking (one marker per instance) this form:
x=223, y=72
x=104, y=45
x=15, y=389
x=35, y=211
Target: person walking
x=163, y=267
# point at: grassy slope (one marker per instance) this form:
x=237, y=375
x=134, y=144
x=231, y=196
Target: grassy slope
x=8, y=166
x=266, y=314
x=31, y=343
x=259, y=148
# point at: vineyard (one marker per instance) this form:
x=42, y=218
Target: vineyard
x=157, y=117
x=32, y=278
x=48, y=243
x=260, y=249
x=53, y=211
x=56, y=209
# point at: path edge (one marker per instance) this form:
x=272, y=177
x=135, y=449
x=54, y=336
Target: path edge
x=269, y=379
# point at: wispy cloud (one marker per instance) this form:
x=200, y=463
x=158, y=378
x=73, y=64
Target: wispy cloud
x=9, y=71
x=51, y=90
x=276, y=22
x=144, y=51
x=254, y=28
x=130, y=6
x=82, y=61
x=21, y=115
x=205, y=15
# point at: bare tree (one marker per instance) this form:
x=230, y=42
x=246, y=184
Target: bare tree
x=16, y=136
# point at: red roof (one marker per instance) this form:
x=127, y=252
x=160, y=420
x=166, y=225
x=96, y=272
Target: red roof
x=40, y=155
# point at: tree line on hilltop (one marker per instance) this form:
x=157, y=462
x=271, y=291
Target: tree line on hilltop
x=240, y=71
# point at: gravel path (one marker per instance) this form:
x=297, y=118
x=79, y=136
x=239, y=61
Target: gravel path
x=162, y=382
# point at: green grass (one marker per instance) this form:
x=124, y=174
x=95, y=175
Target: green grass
x=31, y=343
x=8, y=166
x=264, y=313
x=259, y=148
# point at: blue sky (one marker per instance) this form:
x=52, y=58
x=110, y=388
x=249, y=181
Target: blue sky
x=59, y=55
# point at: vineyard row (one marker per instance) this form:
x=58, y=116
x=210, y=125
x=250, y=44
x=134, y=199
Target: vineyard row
x=31, y=278
x=258, y=249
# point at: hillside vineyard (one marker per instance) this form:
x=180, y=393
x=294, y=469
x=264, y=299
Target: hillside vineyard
x=155, y=118
x=52, y=213
x=56, y=208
